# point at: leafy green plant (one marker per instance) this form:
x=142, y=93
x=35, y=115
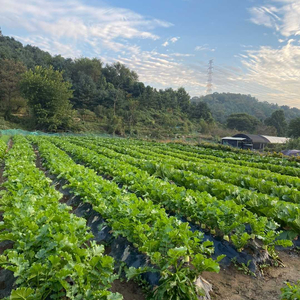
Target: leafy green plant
x=290, y=291
x=52, y=255
x=243, y=267
x=144, y=224
x=225, y=216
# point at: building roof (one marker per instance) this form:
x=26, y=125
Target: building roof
x=233, y=138
x=254, y=138
x=291, y=152
x=276, y=139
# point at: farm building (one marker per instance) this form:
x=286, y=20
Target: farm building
x=252, y=141
x=291, y=152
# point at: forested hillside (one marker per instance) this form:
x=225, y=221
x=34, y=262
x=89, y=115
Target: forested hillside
x=39, y=91
x=223, y=105
x=102, y=97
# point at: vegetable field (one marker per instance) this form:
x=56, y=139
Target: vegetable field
x=79, y=213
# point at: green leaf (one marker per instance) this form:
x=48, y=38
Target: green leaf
x=134, y=272
x=21, y=293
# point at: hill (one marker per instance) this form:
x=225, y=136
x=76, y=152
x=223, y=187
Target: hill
x=110, y=98
x=224, y=104
x=105, y=97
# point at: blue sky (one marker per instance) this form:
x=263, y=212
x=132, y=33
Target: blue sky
x=254, y=43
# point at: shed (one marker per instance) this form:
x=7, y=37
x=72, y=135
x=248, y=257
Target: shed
x=253, y=141
x=276, y=139
x=233, y=141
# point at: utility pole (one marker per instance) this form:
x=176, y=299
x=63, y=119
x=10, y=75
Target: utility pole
x=209, y=77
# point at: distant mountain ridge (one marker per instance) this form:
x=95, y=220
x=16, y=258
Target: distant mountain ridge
x=224, y=104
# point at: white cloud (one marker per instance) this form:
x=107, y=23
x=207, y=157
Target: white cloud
x=174, y=39
x=246, y=46
x=204, y=47
x=284, y=17
x=276, y=71
x=181, y=54
x=52, y=46
x=79, y=23
x=171, y=40
x=265, y=16
x=165, y=70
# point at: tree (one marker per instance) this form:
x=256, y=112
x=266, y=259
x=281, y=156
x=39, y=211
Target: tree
x=223, y=105
x=48, y=95
x=199, y=111
x=91, y=68
x=278, y=121
x=168, y=99
x=10, y=75
x=242, y=122
x=265, y=130
x=120, y=76
x=132, y=108
x=294, y=128
x=113, y=98
x=85, y=91
x=183, y=99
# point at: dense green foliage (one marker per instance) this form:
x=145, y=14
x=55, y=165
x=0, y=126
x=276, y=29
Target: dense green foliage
x=51, y=254
x=294, y=144
x=223, y=105
x=10, y=97
x=48, y=96
x=277, y=120
x=242, y=122
x=110, y=97
x=168, y=242
x=202, y=208
x=294, y=128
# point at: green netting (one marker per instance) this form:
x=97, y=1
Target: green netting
x=25, y=132
x=21, y=132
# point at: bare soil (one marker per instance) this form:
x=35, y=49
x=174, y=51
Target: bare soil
x=130, y=290
x=9, y=144
x=232, y=284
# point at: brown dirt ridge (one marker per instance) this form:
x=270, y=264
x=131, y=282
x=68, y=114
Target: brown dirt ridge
x=232, y=284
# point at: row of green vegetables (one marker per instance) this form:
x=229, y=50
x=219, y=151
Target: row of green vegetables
x=274, y=157
x=223, y=156
x=177, y=253
x=282, y=163
x=226, y=148
x=225, y=218
x=268, y=175
x=288, y=293
x=51, y=255
x=3, y=149
x=288, y=214
x=242, y=176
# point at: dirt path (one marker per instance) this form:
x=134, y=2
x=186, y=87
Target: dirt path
x=231, y=284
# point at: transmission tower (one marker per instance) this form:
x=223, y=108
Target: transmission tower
x=209, y=77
